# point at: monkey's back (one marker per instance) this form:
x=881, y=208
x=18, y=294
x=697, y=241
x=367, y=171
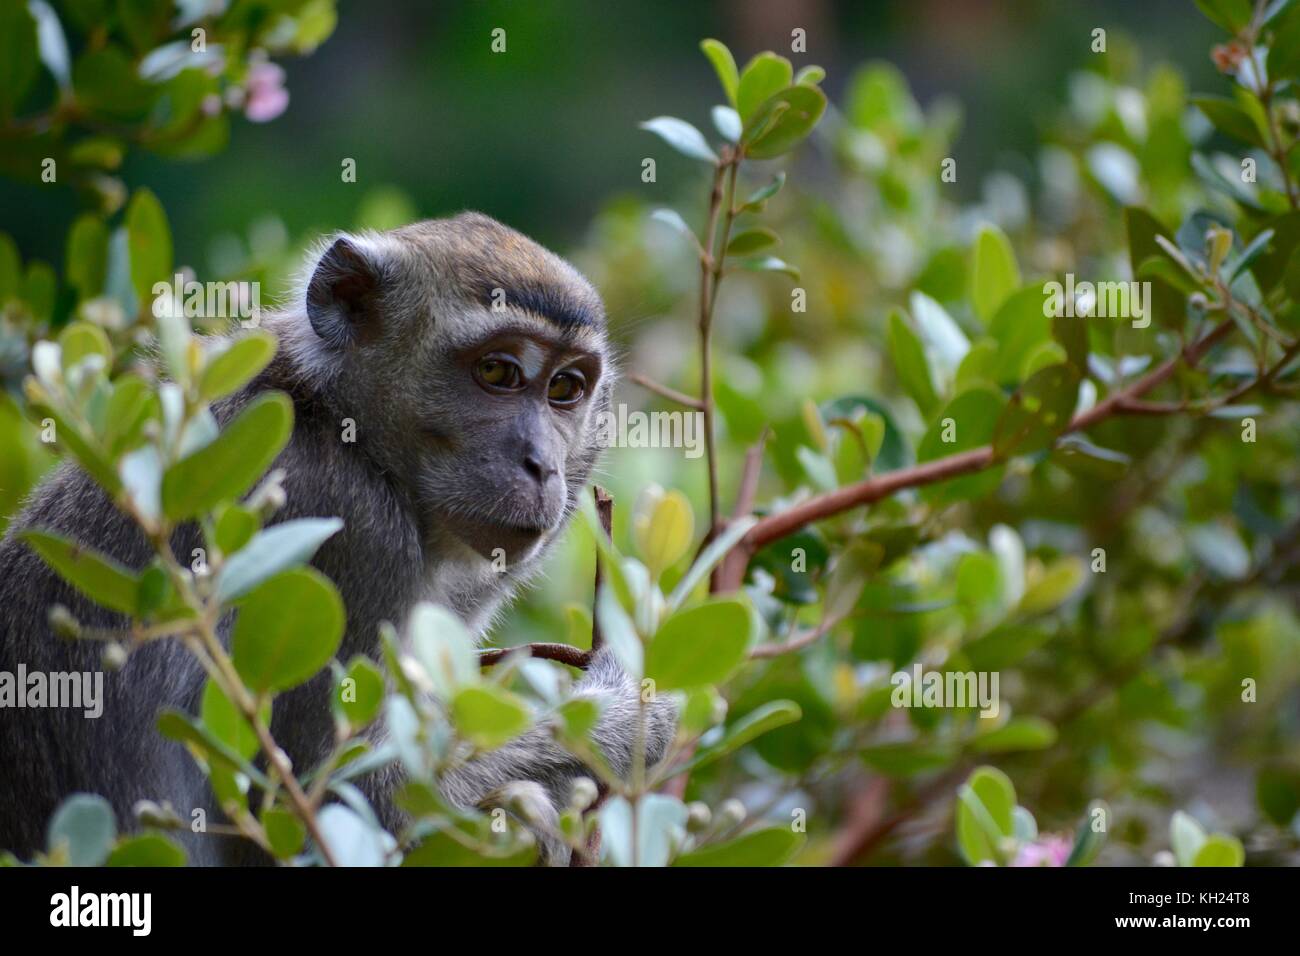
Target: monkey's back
x=47, y=753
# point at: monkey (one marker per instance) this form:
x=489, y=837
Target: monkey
x=473, y=364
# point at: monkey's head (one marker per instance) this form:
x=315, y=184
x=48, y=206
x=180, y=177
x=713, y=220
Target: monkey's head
x=475, y=365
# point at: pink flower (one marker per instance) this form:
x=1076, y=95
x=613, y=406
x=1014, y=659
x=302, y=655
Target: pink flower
x=1048, y=851
x=267, y=97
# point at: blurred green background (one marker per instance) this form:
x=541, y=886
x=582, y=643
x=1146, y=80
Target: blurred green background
x=542, y=136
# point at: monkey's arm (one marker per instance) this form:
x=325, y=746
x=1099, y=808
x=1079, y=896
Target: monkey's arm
x=536, y=756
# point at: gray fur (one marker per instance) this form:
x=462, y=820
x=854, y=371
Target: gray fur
x=432, y=454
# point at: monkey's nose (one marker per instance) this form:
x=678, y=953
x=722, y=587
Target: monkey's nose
x=538, y=467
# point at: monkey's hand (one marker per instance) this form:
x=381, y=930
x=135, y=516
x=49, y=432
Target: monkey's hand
x=536, y=757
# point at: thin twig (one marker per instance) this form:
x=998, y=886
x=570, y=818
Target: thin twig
x=605, y=515
x=681, y=398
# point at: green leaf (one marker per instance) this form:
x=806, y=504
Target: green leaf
x=979, y=580
x=681, y=136
x=187, y=729
x=764, y=76
x=709, y=559
x=18, y=55
x=352, y=840
x=663, y=528
x=760, y=196
x=1024, y=824
x=444, y=648
x=996, y=793
x=907, y=758
x=1284, y=52
x=580, y=716
x=809, y=76
x=1019, y=733
x=1038, y=412
x=1228, y=117
x=672, y=218
x=978, y=367
x=233, y=368
x=1186, y=836
x=769, y=264
x=51, y=43
x=229, y=466
x=227, y=724
x=81, y=339
x=783, y=122
x=97, y=576
x=985, y=814
x=85, y=825
x=488, y=715
x=994, y=275
x=1019, y=325
x=770, y=846
x=442, y=850
x=284, y=831
x=760, y=720
x=1082, y=457
x=724, y=64
x=970, y=419
x=727, y=122
x=1253, y=251
x=751, y=241
x=1220, y=850
x=1232, y=15
x=274, y=650
x=1061, y=579
x=87, y=454
x=854, y=565
x=148, y=849
x=1278, y=791
x=132, y=404
x=271, y=551
x=1088, y=840
x=87, y=256
x=362, y=698
x=908, y=356
x=945, y=342
x=235, y=527
x=700, y=645
x=150, y=243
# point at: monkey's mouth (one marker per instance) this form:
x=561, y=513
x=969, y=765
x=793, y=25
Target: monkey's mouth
x=491, y=538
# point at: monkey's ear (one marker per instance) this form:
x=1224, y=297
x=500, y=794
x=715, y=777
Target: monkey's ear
x=343, y=294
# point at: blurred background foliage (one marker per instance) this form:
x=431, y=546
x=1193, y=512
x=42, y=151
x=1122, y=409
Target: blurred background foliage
x=1123, y=685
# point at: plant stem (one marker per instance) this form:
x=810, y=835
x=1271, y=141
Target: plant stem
x=710, y=278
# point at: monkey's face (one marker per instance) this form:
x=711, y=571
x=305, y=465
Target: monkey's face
x=508, y=437
x=479, y=362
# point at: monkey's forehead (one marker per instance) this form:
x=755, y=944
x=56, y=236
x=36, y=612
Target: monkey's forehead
x=480, y=261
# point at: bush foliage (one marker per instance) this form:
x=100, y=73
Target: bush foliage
x=911, y=468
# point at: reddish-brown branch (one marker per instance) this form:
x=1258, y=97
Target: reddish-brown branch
x=859, y=841
x=567, y=653
x=564, y=653
x=810, y=636
x=745, y=496
x=777, y=526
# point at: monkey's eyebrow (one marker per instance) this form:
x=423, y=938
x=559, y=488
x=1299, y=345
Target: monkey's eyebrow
x=555, y=303
x=572, y=342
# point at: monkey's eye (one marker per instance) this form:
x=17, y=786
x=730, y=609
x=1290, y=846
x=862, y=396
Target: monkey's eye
x=566, y=388
x=499, y=372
